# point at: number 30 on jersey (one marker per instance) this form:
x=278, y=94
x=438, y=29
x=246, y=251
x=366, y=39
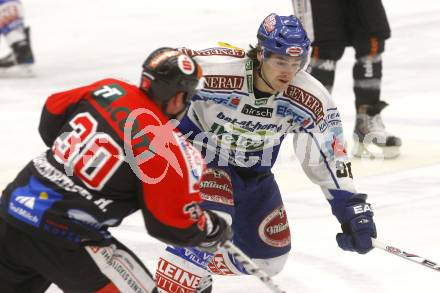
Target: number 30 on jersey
x=93, y=156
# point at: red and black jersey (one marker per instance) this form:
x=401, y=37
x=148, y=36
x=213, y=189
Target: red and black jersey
x=112, y=151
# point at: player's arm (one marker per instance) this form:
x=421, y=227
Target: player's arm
x=56, y=110
x=322, y=152
x=170, y=196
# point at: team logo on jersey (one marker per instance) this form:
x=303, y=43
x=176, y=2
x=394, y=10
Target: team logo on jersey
x=274, y=229
x=172, y=278
x=241, y=126
x=299, y=117
x=231, y=101
x=219, y=266
x=223, y=82
x=216, y=186
x=332, y=119
x=338, y=147
x=295, y=51
x=306, y=100
x=185, y=64
x=234, y=101
x=30, y=202
x=269, y=23
x=334, y=143
x=193, y=255
x=264, y=112
x=27, y=201
x=107, y=94
x=261, y=101
x=237, y=53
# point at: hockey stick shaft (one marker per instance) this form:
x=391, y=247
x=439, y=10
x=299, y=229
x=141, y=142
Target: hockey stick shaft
x=303, y=10
x=408, y=256
x=251, y=267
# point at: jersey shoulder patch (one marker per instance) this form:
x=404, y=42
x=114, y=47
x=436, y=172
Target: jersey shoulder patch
x=216, y=51
x=306, y=100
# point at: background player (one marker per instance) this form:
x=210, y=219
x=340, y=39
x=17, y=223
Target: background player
x=363, y=24
x=21, y=59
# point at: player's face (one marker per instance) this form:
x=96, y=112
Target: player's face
x=279, y=70
x=176, y=105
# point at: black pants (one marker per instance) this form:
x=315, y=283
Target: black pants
x=346, y=22
x=28, y=264
x=361, y=24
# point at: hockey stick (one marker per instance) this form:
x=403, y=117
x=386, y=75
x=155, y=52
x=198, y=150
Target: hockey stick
x=409, y=256
x=251, y=267
x=303, y=10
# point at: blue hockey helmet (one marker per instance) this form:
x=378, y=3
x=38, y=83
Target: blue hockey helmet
x=283, y=35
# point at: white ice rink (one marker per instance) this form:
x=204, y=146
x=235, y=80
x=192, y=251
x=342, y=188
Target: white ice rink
x=78, y=42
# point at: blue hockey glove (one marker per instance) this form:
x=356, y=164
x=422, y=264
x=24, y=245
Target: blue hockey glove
x=357, y=226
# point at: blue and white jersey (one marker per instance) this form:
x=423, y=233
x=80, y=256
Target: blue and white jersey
x=226, y=118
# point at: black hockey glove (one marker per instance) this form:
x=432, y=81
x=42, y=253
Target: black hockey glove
x=357, y=225
x=218, y=233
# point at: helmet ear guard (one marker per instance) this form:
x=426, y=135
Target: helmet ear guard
x=146, y=82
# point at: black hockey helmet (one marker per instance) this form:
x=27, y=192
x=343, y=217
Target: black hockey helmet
x=167, y=72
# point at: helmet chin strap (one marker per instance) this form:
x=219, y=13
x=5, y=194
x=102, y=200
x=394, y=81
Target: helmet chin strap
x=174, y=116
x=260, y=74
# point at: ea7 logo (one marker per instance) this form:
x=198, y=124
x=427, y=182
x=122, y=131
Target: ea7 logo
x=362, y=209
x=294, y=51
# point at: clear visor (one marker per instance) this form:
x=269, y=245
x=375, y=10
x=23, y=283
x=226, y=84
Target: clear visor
x=284, y=63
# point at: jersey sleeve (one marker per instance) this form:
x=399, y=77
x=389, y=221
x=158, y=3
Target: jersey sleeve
x=167, y=167
x=321, y=149
x=56, y=111
x=169, y=170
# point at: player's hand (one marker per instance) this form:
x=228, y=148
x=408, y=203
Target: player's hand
x=219, y=232
x=358, y=227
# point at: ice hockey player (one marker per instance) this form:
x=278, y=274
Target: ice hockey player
x=362, y=24
x=248, y=103
x=55, y=214
x=20, y=61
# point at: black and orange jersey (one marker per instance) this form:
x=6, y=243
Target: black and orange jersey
x=111, y=152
